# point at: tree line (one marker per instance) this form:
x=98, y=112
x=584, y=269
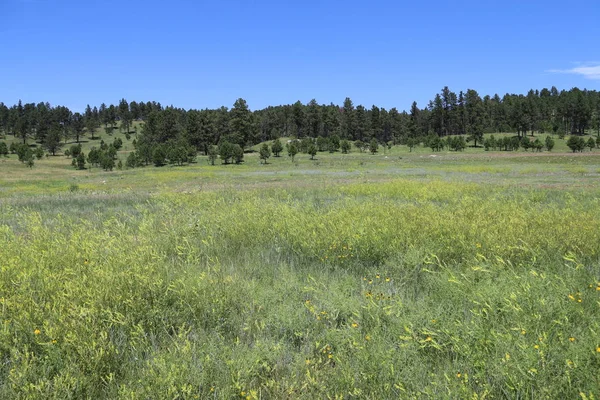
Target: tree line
x=179, y=132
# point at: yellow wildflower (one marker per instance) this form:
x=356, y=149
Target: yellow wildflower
x=571, y=339
x=37, y=332
x=354, y=325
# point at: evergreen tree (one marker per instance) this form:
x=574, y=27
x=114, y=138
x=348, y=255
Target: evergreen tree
x=265, y=152
x=277, y=147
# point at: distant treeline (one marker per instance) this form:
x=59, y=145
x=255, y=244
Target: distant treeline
x=547, y=111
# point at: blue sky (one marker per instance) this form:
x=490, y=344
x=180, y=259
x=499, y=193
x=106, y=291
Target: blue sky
x=197, y=54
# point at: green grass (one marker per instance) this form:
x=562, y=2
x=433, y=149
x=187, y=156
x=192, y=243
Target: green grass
x=397, y=275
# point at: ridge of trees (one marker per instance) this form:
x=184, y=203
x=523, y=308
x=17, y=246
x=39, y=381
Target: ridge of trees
x=181, y=133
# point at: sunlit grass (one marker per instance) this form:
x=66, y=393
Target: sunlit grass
x=348, y=277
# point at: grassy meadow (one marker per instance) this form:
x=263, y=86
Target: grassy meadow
x=396, y=275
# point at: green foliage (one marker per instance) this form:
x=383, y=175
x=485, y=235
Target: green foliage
x=226, y=152
x=3, y=149
x=277, y=147
x=265, y=152
x=238, y=153
x=457, y=143
x=132, y=160
x=159, y=156
x=80, y=161
x=576, y=143
x=39, y=153
x=312, y=151
x=549, y=143
x=107, y=162
x=117, y=143
x=74, y=150
x=373, y=146
x=213, y=153
x=345, y=146
x=591, y=143
x=292, y=150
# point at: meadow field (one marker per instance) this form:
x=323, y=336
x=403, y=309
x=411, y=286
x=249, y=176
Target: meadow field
x=395, y=275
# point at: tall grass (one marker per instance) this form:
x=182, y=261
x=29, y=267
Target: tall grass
x=380, y=290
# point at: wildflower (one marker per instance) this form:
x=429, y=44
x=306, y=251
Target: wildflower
x=369, y=294
x=571, y=339
x=54, y=341
x=330, y=356
x=598, y=349
x=307, y=361
x=537, y=346
x=37, y=332
x=387, y=279
x=523, y=331
x=571, y=297
x=478, y=245
x=354, y=325
x=242, y=393
x=307, y=301
x=579, y=300
x=458, y=375
x=507, y=356
x=378, y=276
x=368, y=337
x=370, y=281
x=428, y=339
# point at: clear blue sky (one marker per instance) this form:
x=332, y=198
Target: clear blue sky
x=197, y=54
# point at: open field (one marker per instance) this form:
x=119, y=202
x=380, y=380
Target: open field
x=396, y=275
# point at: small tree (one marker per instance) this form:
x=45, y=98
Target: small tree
x=277, y=147
x=3, y=149
x=212, y=154
x=94, y=156
x=80, y=161
x=591, y=143
x=359, y=145
x=118, y=143
x=538, y=145
x=265, y=152
x=75, y=150
x=226, y=152
x=106, y=162
x=549, y=143
x=132, y=160
x=576, y=143
x=345, y=146
x=373, y=146
x=30, y=162
x=312, y=150
x=238, y=153
x=158, y=156
x=292, y=150
x=39, y=153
